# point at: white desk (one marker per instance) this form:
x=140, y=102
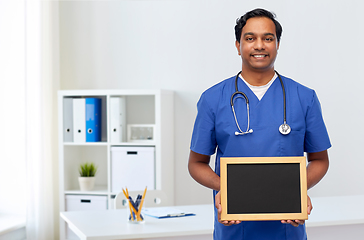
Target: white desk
x=112, y=224
x=333, y=211
x=336, y=218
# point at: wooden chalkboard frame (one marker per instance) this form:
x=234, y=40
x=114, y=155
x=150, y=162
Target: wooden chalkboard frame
x=267, y=161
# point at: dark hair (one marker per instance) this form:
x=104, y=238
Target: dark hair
x=240, y=22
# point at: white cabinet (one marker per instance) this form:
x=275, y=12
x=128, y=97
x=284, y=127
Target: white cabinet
x=149, y=114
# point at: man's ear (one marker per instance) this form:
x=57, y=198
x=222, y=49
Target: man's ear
x=237, y=45
x=278, y=45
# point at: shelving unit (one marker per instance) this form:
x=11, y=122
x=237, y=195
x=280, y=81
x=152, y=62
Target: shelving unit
x=151, y=107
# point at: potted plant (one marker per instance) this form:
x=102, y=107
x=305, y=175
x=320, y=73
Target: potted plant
x=87, y=176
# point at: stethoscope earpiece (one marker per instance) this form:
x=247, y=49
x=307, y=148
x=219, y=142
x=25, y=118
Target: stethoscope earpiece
x=283, y=129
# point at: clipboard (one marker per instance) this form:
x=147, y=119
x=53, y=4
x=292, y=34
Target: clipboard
x=166, y=212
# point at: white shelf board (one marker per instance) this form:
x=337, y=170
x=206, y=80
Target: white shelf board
x=113, y=92
x=85, y=144
x=98, y=190
x=133, y=144
x=110, y=143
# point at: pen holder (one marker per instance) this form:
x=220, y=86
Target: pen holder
x=135, y=206
x=135, y=220
x=132, y=217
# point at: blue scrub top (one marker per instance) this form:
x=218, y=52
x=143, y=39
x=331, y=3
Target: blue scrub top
x=215, y=129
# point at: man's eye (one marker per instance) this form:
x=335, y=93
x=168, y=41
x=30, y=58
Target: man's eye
x=249, y=39
x=269, y=39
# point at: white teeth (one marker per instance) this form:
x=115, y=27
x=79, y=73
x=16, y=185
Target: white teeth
x=259, y=56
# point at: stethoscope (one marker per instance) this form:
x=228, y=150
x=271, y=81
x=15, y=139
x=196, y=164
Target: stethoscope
x=284, y=128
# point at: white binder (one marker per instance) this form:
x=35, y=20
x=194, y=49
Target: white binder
x=79, y=120
x=132, y=168
x=117, y=119
x=67, y=120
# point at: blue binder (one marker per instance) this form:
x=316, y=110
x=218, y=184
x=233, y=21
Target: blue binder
x=93, y=119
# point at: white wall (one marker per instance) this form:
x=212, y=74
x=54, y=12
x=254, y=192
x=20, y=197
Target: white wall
x=188, y=45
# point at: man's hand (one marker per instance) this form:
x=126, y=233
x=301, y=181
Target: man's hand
x=219, y=210
x=296, y=223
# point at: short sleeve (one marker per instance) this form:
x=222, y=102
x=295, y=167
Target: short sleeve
x=203, y=139
x=316, y=137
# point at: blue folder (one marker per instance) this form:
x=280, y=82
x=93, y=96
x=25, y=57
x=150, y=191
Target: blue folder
x=93, y=119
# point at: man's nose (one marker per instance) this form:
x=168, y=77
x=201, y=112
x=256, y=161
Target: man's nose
x=259, y=44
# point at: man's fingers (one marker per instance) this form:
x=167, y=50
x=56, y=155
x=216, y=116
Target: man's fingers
x=294, y=223
x=309, y=205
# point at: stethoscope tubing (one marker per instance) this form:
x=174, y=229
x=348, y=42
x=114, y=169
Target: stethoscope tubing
x=281, y=128
x=284, y=98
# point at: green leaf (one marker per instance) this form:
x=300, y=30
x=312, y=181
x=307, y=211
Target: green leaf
x=87, y=170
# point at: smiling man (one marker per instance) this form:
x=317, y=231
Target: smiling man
x=283, y=119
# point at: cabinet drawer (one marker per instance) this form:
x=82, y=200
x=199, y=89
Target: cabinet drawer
x=132, y=168
x=85, y=203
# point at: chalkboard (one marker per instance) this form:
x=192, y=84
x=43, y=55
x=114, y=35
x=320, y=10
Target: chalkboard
x=263, y=188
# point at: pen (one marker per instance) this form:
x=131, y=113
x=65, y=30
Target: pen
x=176, y=215
x=138, y=200
x=127, y=197
x=142, y=201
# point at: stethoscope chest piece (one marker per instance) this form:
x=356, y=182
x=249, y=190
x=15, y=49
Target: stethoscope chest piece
x=284, y=129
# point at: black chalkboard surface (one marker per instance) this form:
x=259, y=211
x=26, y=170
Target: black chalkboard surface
x=263, y=188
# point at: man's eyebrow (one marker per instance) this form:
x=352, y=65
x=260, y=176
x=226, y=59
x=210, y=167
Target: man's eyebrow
x=248, y=33
x=265, y=34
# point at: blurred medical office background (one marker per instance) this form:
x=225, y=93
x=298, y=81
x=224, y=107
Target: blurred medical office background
x=180, y=45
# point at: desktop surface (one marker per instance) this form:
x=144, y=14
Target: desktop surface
x=113, y=224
